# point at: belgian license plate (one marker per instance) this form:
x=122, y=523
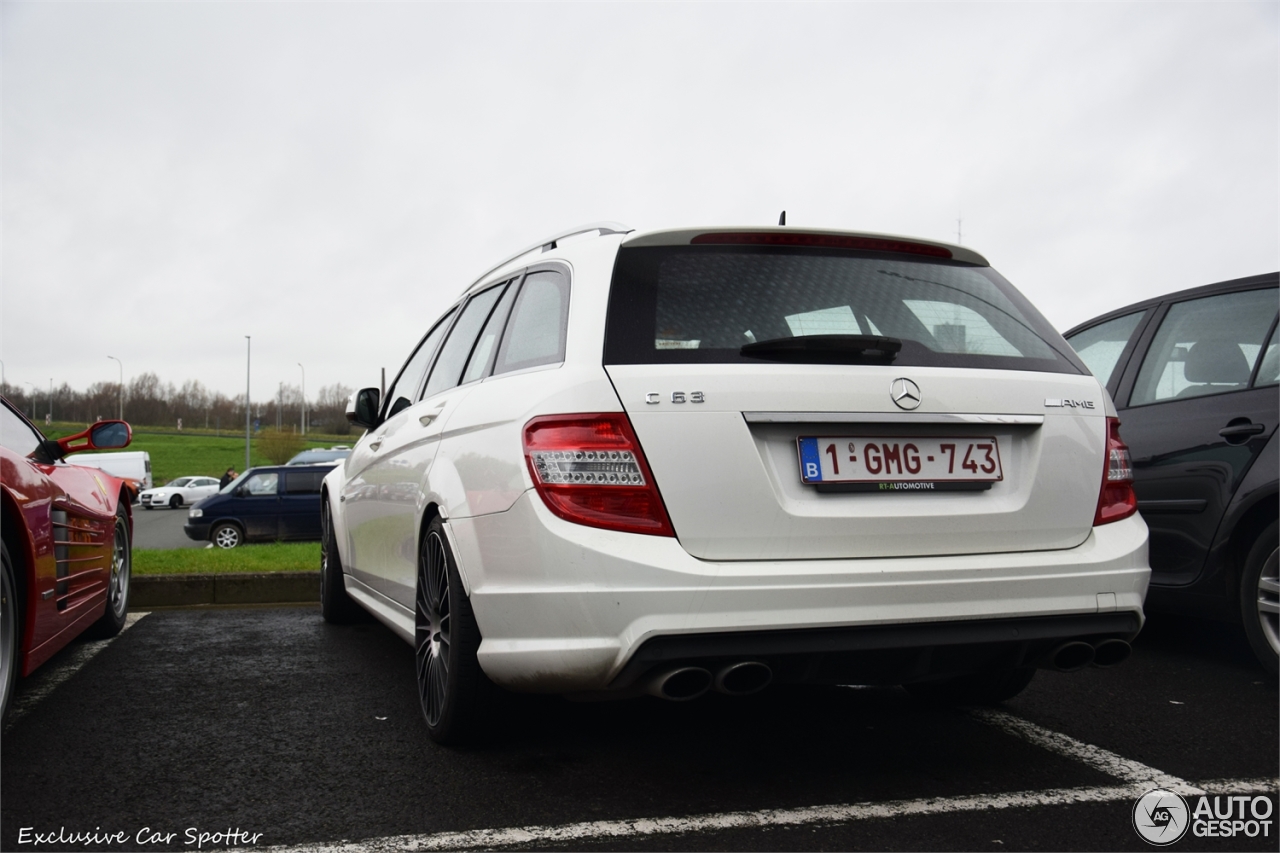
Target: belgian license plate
x=897, y=464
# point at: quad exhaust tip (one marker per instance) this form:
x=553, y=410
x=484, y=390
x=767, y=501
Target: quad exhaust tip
x=743, y=679
x=1111, y=652
x=680, y=684
x=1069, y=657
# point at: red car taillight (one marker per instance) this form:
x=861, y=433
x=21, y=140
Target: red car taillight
x=589, y=469
x=1116, y=499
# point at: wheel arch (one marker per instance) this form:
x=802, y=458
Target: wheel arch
x=430, y=512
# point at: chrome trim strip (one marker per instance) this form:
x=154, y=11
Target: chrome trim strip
x=888, y=418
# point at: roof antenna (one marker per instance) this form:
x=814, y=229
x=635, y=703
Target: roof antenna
x=782, y=220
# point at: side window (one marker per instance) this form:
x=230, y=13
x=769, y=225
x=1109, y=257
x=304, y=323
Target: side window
x=536, y=333
x=15, y=434
x=406, y=384
x=1101, y=346
x=1269, y=368
x=303, y=482
x=482, y=355
x=1205, y=346
x=457, y=349
x=262, y=483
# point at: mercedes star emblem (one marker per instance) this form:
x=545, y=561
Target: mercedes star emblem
x=905, y=393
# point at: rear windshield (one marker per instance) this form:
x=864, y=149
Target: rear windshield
x=695, y=304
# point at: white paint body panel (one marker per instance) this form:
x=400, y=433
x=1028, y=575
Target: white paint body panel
x=562, y=606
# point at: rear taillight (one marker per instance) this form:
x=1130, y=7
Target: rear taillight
x=589, y=469
x=1116, y=499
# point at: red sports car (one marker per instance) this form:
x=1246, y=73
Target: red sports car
x=67, y=534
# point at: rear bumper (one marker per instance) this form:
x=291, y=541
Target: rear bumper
x=565, y=608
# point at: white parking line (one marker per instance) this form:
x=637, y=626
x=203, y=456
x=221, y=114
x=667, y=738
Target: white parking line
x=1093, y=756
x=1137, y=779
x=611, y=829
x=67, y=665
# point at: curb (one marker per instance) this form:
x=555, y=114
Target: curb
x=240, y=588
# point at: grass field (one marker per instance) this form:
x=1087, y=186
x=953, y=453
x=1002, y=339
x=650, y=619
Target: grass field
x=189, y=453
x=269, y=557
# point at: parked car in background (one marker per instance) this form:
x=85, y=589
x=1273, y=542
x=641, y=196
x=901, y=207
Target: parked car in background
x=261, y=505
x=176, y=493
x=1194, y=376
x=133, y=466
x=67, y=543
x=317, y=456
x=716, y=458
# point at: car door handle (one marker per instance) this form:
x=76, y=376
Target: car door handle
x=1241, y=430
x=430, y=416
x=374, y=445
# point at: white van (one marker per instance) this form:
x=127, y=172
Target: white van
x=131, y=465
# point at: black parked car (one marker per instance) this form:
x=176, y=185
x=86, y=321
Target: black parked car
x=277, y=502
x=1194, y=376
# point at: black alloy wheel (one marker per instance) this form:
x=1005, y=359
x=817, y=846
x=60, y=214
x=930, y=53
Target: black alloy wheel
x=445, y=642
x=175, y=501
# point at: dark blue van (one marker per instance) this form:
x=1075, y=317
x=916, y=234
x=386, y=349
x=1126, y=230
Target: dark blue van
x=262, y=504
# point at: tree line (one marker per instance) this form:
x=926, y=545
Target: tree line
x=148, y=401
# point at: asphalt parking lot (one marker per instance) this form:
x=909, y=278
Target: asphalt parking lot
x=161, y=528
x=286, y=732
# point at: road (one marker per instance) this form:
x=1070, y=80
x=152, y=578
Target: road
x=270, y=722
x=161, y=528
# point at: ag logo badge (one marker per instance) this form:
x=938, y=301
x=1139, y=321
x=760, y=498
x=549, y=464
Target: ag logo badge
x=1161, y=817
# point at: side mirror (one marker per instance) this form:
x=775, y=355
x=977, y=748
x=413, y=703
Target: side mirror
x=240, y=491
x=362, y=408
x=104, y=435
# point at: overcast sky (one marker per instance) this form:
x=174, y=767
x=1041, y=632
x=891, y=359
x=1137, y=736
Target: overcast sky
x=327, y=177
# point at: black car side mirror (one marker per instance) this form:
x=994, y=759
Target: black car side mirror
x=362, y=408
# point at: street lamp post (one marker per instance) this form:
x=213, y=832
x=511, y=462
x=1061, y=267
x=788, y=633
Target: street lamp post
x=303, y=418
x=121, y=386
x=48, y=418
x=248, y=344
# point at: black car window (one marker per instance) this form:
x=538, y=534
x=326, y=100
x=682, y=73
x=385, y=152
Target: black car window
x=483, y=354
x=16, y=434
x=1269, y=367
x=1101, y=346
x=402, y=392
x=457, y=349
x=1205, y=346
x=539, y=320
x=304, y=482
x=262, y=483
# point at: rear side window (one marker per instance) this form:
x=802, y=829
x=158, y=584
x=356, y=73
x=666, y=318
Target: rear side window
x=457, y=349
x=303, y=482
x=1269, y=367
x=539, y=320
x=1101, y=346
x=692, y=304
x=1206, y=346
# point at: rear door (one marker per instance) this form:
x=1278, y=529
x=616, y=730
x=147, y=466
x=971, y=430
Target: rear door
x=884, y=404
x=1197, y=407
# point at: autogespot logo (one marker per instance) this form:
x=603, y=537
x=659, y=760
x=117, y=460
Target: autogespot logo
x=1160, y=817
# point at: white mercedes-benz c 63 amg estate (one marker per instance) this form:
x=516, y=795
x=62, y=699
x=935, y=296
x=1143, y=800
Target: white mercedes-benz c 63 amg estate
x=699, y=459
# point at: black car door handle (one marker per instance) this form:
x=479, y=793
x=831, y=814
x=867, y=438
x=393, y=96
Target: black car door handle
x=1241, y=430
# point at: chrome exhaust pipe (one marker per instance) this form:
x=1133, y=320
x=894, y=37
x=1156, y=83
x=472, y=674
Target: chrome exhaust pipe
x=680, y=684
x=1068, y=657
x=1111, y=652
x=743, y=678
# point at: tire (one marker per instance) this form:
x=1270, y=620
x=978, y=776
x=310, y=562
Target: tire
x=226, y=535
x=147, y=507
x=1260, y=599
x=10, y=630
x=980, y=688
x=446, y=637
x=175, y=501
x=113, y=617
x=336, y=606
